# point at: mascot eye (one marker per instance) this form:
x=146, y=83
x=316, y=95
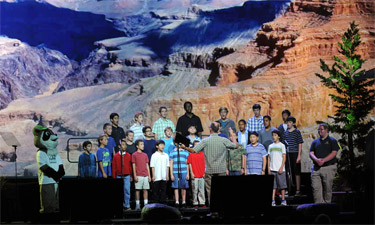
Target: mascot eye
x=47, y=135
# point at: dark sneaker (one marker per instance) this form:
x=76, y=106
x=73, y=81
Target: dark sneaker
x=183, y=205
x=298, y=194
x=202, y=206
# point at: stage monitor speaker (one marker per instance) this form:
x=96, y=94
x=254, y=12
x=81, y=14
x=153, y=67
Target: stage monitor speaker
x=241, y=196
x=91, y=199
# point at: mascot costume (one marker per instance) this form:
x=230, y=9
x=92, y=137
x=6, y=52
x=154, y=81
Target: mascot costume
x=50, y=168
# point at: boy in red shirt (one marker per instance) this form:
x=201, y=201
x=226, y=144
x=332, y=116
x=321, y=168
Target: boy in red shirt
x=141, y=170
x=125, y=173
x=197, y=170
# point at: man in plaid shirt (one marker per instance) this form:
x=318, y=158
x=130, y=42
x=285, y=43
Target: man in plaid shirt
x=255, y=123
x=162, y=123
x=215, y=153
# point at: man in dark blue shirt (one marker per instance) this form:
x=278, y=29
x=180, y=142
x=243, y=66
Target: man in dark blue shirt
x=323, y=152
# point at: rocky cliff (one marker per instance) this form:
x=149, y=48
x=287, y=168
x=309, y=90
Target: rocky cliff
x=28, y=71
x=277, y=69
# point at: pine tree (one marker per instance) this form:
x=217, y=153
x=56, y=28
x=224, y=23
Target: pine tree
x=354, y=100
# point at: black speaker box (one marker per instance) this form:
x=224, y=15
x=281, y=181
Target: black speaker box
x=85, y=199
x=241, y=196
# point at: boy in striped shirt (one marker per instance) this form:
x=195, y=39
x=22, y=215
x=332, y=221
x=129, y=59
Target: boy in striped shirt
x=293, y=140
x=256, y=156
x=179, y=174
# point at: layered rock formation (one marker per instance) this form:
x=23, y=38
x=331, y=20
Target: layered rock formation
x=28, y=71
x=103, y=67
x=278, y=68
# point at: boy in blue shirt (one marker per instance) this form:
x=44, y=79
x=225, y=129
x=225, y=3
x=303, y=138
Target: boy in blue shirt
x=104, y=158
x=256, y=156
x=168, y=140
x=111, y=146
x=87, y=161
x=179, y=173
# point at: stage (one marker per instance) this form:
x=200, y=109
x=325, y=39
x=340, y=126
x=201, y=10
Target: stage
x=79, y=203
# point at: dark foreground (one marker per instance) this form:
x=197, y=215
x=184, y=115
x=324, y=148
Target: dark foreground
x=100, y=202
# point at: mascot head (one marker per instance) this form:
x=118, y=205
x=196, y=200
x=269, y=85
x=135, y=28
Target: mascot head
x=45, y=140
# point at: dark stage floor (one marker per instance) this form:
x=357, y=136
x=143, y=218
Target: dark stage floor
x=81, y=203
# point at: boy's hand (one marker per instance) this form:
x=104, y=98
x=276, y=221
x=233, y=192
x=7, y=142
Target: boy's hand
x=269, y=171
x=242, y=171
x=131, y=179
x=227, y=172
x=105, y=175
x=187, y=176
x=149, y=179
x=172, y=178
x=136, y=179
x=192, y=176
x=262, y=173
x=153, y=178
x=167, y=179
x=298, y=159
x=281, y=171
x=182, y=146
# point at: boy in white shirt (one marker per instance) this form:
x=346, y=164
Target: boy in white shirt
x=160, y=167
x=276, y=166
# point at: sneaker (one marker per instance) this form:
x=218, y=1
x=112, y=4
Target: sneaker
x=126, y=209
x=137, y=207
x=273, y=203
x=283, y=202
x=177, y=205
x=286, y=193
x=183, y=205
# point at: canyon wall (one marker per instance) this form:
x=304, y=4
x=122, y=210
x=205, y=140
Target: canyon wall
x=277, y=69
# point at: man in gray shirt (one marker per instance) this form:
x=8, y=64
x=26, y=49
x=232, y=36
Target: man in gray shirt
x=215, y=152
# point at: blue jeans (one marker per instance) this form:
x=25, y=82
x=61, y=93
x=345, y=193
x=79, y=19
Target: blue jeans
x=234, y=173
x=126, y=190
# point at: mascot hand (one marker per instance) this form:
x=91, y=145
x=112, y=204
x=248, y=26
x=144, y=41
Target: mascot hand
x=48, y=171
x=61, y=171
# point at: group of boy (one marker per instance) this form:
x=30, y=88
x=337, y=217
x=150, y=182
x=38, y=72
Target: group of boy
x=155, y=149
x=132, y=160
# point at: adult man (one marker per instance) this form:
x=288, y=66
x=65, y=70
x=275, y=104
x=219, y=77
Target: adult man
x=226, y=122
x=255, y=123
x=187, y=120
x=215, y=152
x=323, y=152
x=162, y=123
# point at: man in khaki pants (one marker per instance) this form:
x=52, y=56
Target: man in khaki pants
x=215, y=153
x=323, y=152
